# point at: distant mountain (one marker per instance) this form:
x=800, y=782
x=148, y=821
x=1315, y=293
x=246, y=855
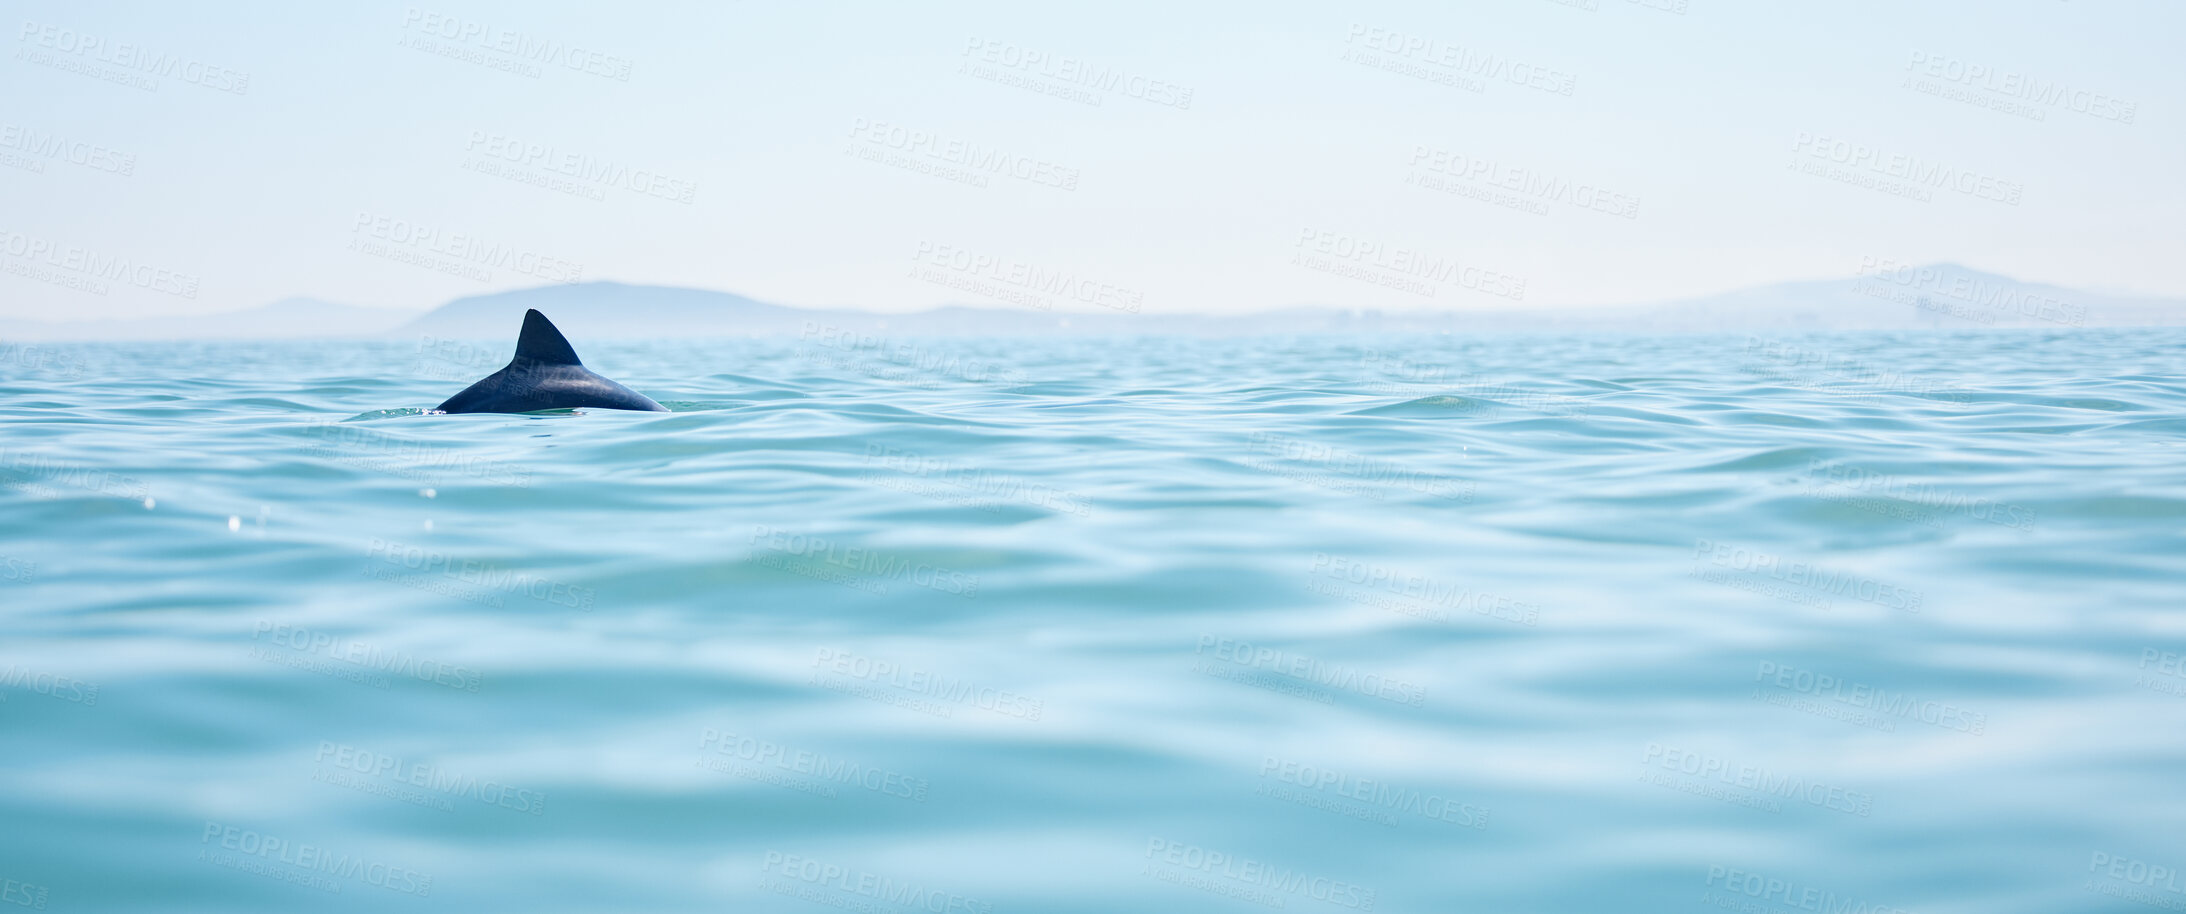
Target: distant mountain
x=1937, y=296
x=603, y=309
x=608, y=310
x=289, y=318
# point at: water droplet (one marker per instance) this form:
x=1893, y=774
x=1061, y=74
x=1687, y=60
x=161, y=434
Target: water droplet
x=234, y=523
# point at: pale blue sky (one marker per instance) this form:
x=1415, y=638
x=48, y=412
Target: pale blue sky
x=1697, y=114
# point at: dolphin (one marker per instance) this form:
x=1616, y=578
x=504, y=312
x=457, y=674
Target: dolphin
x=545, y=374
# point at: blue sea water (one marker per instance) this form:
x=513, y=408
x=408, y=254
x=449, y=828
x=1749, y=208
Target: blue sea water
x=1841, y=622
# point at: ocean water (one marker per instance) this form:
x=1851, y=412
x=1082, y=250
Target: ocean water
x=1846, y=622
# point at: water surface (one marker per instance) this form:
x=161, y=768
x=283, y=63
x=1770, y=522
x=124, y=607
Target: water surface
x=1682, y=623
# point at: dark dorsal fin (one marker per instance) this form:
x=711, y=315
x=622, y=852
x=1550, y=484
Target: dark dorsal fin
x=541, y=344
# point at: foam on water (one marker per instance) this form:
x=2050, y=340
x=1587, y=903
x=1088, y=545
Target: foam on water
x=1508, y=623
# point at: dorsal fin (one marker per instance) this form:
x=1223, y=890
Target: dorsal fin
x=541, y=344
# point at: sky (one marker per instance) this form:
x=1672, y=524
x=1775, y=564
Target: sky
x=174, y=159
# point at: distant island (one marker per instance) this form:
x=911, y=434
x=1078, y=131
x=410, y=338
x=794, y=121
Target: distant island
x=1890, y=297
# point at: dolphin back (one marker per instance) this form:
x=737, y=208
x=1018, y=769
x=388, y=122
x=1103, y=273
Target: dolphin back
x=545, y=374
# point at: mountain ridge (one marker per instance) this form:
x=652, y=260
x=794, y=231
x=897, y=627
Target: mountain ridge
x=1890, y=297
